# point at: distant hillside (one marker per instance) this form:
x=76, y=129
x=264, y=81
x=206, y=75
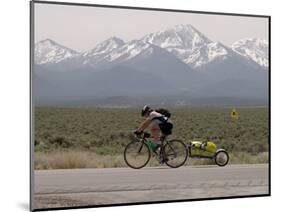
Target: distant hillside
x=178, y=62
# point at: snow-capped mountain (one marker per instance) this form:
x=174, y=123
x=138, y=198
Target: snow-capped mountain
x=49, y=52
x=178, y=36
x=179, y=62
x=188, y=44
x=130, y=50
x=101, y=52
x=254, y=49
x=184, y=41
x=121, y=52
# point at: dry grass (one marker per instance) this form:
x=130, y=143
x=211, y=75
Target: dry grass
x=76, y=159
x=246, y=158
x=80, y=159
x=234, y=158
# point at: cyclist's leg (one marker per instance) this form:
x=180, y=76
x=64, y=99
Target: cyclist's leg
x=155, y=133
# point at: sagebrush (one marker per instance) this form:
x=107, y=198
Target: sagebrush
x=106, y=131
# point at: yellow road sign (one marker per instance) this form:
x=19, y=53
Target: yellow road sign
x=234, y=114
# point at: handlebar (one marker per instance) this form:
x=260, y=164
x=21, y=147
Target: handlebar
x=142, y=135
x=146, y=135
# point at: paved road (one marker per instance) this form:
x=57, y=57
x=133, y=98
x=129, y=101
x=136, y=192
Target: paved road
x=55, y=188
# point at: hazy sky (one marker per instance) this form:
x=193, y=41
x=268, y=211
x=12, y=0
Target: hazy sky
x=81, y=28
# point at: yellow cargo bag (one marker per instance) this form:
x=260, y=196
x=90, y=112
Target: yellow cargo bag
x=211, y=147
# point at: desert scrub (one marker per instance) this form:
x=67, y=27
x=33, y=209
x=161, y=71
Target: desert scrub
x=78, y=159
x=246, y=158
x=104, y=132
x=234, y=158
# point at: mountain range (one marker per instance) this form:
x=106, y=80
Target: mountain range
x=178, y=64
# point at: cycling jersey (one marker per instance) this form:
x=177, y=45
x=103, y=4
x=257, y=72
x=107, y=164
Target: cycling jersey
x=157, y=118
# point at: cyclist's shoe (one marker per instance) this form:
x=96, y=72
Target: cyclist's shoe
x=164, y=160
x=159, y=158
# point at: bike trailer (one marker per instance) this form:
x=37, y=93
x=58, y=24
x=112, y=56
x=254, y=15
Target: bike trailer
x=205, y=150
x=211, y=147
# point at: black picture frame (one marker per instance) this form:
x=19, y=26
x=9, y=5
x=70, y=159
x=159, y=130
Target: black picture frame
x=31, y=63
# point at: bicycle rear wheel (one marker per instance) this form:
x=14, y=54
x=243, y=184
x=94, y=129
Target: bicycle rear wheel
x=175, y=153
x=137, y=154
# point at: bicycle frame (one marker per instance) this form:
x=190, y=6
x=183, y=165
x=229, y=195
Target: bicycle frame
x=143, y=139
x=166, y=152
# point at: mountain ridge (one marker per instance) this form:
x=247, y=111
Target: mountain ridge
x=184, y=41
x=49, y=51
x=253, y=48
x=179, y=65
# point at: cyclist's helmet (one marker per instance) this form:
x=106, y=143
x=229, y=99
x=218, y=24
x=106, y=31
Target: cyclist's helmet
x=145, y=109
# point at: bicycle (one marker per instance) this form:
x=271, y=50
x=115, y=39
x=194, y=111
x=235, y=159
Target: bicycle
x=137, y=153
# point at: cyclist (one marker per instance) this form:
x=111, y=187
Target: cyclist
x=160, y=125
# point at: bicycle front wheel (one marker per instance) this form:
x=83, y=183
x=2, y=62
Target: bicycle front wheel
x=175, y=153
x=137, y=154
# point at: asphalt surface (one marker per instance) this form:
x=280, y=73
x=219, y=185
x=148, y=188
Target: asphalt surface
x=78, y=187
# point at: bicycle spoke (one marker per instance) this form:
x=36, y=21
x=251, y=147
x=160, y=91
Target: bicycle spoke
x=175, y=153
x=136, y=154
